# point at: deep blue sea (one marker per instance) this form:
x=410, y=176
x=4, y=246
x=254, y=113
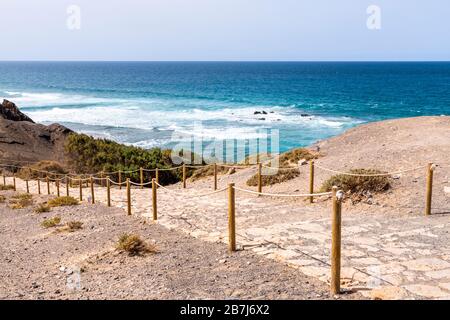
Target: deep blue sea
x=144, y=103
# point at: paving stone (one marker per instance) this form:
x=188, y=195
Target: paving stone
x=426, y=264
x=388, y=293
x=426, y=291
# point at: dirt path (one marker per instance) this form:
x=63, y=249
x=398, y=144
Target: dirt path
x=37, y=263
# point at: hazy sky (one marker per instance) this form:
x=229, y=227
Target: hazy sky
x=224, y=30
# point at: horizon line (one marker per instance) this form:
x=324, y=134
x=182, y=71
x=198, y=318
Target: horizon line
x=235, y=61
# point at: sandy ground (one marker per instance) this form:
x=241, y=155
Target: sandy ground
x=39, y=263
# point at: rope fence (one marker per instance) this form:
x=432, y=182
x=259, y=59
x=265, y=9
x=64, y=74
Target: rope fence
x=104, y=180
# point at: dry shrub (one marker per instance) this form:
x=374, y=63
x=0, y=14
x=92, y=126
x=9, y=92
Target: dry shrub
x=43, y=207
x=278, y=177
x=21, y=201
x=2, y=199
x=358, y=186
x=71, y=226
x=292, y=157
x=208, y=171
x=6, y=187
x=51, y=222
x=62, y=202
x=45, y=165
x=134, y=245
x=288, y=159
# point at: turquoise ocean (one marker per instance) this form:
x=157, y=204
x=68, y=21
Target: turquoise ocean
x=144, y=103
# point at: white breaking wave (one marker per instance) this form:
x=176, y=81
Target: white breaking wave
x=238, y=122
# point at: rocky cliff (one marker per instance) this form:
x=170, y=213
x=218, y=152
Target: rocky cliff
x=22, y=140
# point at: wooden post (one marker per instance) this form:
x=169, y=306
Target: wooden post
x=103, y=181
x=14, y=182
x=39, y=185
x=311, y=180
x=67, y=186
x=91, y=182
x=129, y=197
x=157, y=176
x=429, y=195
x=215, y=176
x=48, y=184
x=81, y=189
x=231, y=218
x=4, y=179
x=259, y=177
x=184, y=176
x=108, y=191
x=57, y=187
x=142, y=177
x=154, y=200
x=335, y=281
x=120, y=179
x=28, y=188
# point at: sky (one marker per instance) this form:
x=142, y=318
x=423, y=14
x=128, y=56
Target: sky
x=225, y=30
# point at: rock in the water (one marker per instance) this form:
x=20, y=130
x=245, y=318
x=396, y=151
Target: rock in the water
x=9, y=111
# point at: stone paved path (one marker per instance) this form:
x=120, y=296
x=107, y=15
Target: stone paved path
x=383, y=256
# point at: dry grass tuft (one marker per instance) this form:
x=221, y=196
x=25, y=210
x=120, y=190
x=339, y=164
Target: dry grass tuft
x=62, y=202
x=6, y=187
x=51, y=222
x=43, y=207
x=358, y=186
x=71, y=226
x=134, y=245
x=21, y=201
x=2, y=199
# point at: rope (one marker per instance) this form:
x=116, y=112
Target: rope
x=369, y=175
x=235, y=166
x=139, y=184
x=307, y=195
x=118, y=184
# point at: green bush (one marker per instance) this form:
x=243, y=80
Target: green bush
x=90, y=155
x=358, y=185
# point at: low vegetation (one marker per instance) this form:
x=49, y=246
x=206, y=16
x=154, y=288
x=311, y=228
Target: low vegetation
x=6, y=187
x=2, y=199
x=71, y=226
x=292, y=157
x=358, y=185
x=51, y=222
x=21, y=201
x=288, y=159
x=43, y=207
x=36, y=170
x=90, y=155
x=134, y=245
x=207, y=172
x=277, y=177
x=62, y=202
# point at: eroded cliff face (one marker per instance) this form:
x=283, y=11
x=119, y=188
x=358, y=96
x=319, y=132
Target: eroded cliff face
x=21, y=139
